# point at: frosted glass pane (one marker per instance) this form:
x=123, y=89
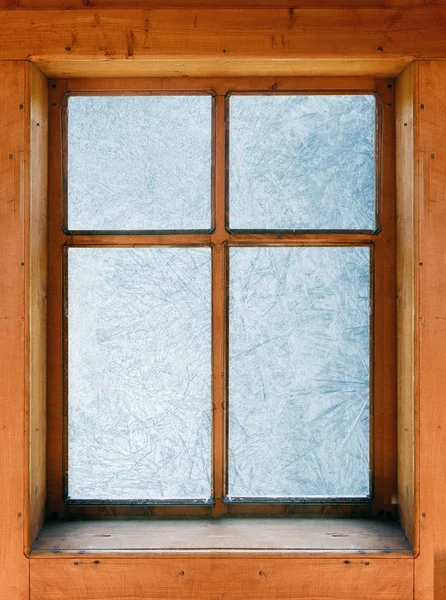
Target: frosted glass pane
x=299, y=372
x=139, y=163
x=139, y=380
x=302, y=162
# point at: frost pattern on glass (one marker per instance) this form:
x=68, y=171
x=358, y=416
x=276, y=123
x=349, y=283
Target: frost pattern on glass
x=139, y=380
x=139, y=163
x=299, y=372
x=302, y=162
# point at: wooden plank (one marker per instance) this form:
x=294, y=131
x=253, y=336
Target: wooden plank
x=219, y=307
x=216, y=578
x=55, y=503
x=280, y=534
x=222, y=67
x=129, y=4
x=430, y=574
x=37, y=232
x=384, y=339
x=13, y=200
x=405, y=101
x=253, y=33
x=304, y=239
x=220, y=85
x=77, y=511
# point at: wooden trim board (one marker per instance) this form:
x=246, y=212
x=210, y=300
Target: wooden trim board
x=259, y=578
x=139, y=39
x=226, y=535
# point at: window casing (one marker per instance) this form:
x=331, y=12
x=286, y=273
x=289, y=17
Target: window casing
x=221, y=241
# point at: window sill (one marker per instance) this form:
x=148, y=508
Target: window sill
x=225, y=536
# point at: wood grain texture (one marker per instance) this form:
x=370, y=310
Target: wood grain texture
x=37, y=232
x=405, y=105
x=384, y=339
x=219, y=85
x=55, y=313
x=129, y=4
x=252, y=33
x=222, y=67
x=268, y=535
x=430, y=574
x=13, y=322
x=219, y=286
x=384, y=405
x=216, y=578
x=318, y=579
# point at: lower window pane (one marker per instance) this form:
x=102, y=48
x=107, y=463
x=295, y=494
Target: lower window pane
x=299, y=373
x=139, y=374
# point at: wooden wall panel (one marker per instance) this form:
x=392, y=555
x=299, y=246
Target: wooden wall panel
x=217, y=578
x=430, y=153
x=13, y=213
x=405, y=133
x=101, y=4
x=256, y=33
x=36, y=269
x=132, y=36
x=129, y=4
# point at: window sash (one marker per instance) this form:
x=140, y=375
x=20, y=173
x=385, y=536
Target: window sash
x=383, y=401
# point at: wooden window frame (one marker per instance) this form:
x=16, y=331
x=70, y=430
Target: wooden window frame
x=383, y=332
x=405, y=41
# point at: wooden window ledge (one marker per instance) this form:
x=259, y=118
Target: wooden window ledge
x=288, y=535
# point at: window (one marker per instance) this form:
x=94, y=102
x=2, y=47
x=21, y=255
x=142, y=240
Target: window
x=224, y=254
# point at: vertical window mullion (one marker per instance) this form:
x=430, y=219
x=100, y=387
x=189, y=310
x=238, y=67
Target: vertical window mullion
x=219, y=303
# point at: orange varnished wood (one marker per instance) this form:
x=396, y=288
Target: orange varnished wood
x=406, y=101
x=377, y=41
x=219, y=85
x=430, y=328
x=222, y=66
x=383, y=438
x=256, y=33
x=14, y=216
x=90, y=5
x=384, y=344
x=55, y=348
x=36, y=271
x=260, y=578
x=219, y=287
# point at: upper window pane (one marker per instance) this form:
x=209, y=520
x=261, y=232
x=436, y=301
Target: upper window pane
x=302, y=162
x=139, y=163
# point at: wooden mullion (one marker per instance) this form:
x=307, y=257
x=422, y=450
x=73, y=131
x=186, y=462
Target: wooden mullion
x=219, y=300
x=138, y=240
x=300, y=239
x=217, y=237
x=219, y=303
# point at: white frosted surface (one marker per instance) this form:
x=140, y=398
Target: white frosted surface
x=299, y=371
x=302, y=162
x=139, y=163
x=139, y=353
